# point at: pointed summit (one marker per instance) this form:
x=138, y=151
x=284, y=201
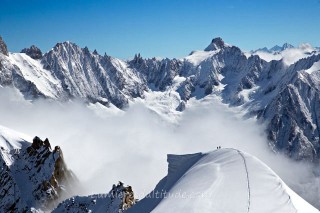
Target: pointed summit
x=86, y=50
x=95, y=52
x=287, y=46
x=66, y=45
x=216, y=43
x=276, y=48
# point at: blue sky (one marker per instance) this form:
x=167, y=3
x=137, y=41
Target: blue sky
x=166, y=28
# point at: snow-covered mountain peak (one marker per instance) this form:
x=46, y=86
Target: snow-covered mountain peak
x=216, y=44
x=287, y=46
x=64, y=46
x=275, y=48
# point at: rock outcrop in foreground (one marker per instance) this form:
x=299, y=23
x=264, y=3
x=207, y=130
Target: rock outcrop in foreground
x=32, y=176
x=119, y=199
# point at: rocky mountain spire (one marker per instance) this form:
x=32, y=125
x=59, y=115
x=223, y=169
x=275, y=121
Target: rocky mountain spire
x=95, y=52
x=34, y=52
x=3, y=47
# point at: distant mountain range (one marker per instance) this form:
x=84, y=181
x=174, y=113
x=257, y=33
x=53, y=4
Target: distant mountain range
x=274, y=49
x=279, y=86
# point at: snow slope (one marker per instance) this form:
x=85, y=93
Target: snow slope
x=33, y=71
x=314, y=68
x=225, y=180
x=10, y=141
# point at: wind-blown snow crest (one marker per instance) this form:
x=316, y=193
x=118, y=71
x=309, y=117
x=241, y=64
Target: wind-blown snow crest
x=196, y=57
x=10, y=139
x=10, y=142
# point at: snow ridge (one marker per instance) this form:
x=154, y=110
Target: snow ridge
x=216, y=182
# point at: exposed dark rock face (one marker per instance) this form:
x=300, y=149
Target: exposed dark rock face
x=181, y=107
x=34, y=52
x=3, y=47
x=91, y=76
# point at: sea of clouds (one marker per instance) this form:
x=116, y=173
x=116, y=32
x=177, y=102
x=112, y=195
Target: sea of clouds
x=103, y=147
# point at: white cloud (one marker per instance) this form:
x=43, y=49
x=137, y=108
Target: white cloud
x=289, y=56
